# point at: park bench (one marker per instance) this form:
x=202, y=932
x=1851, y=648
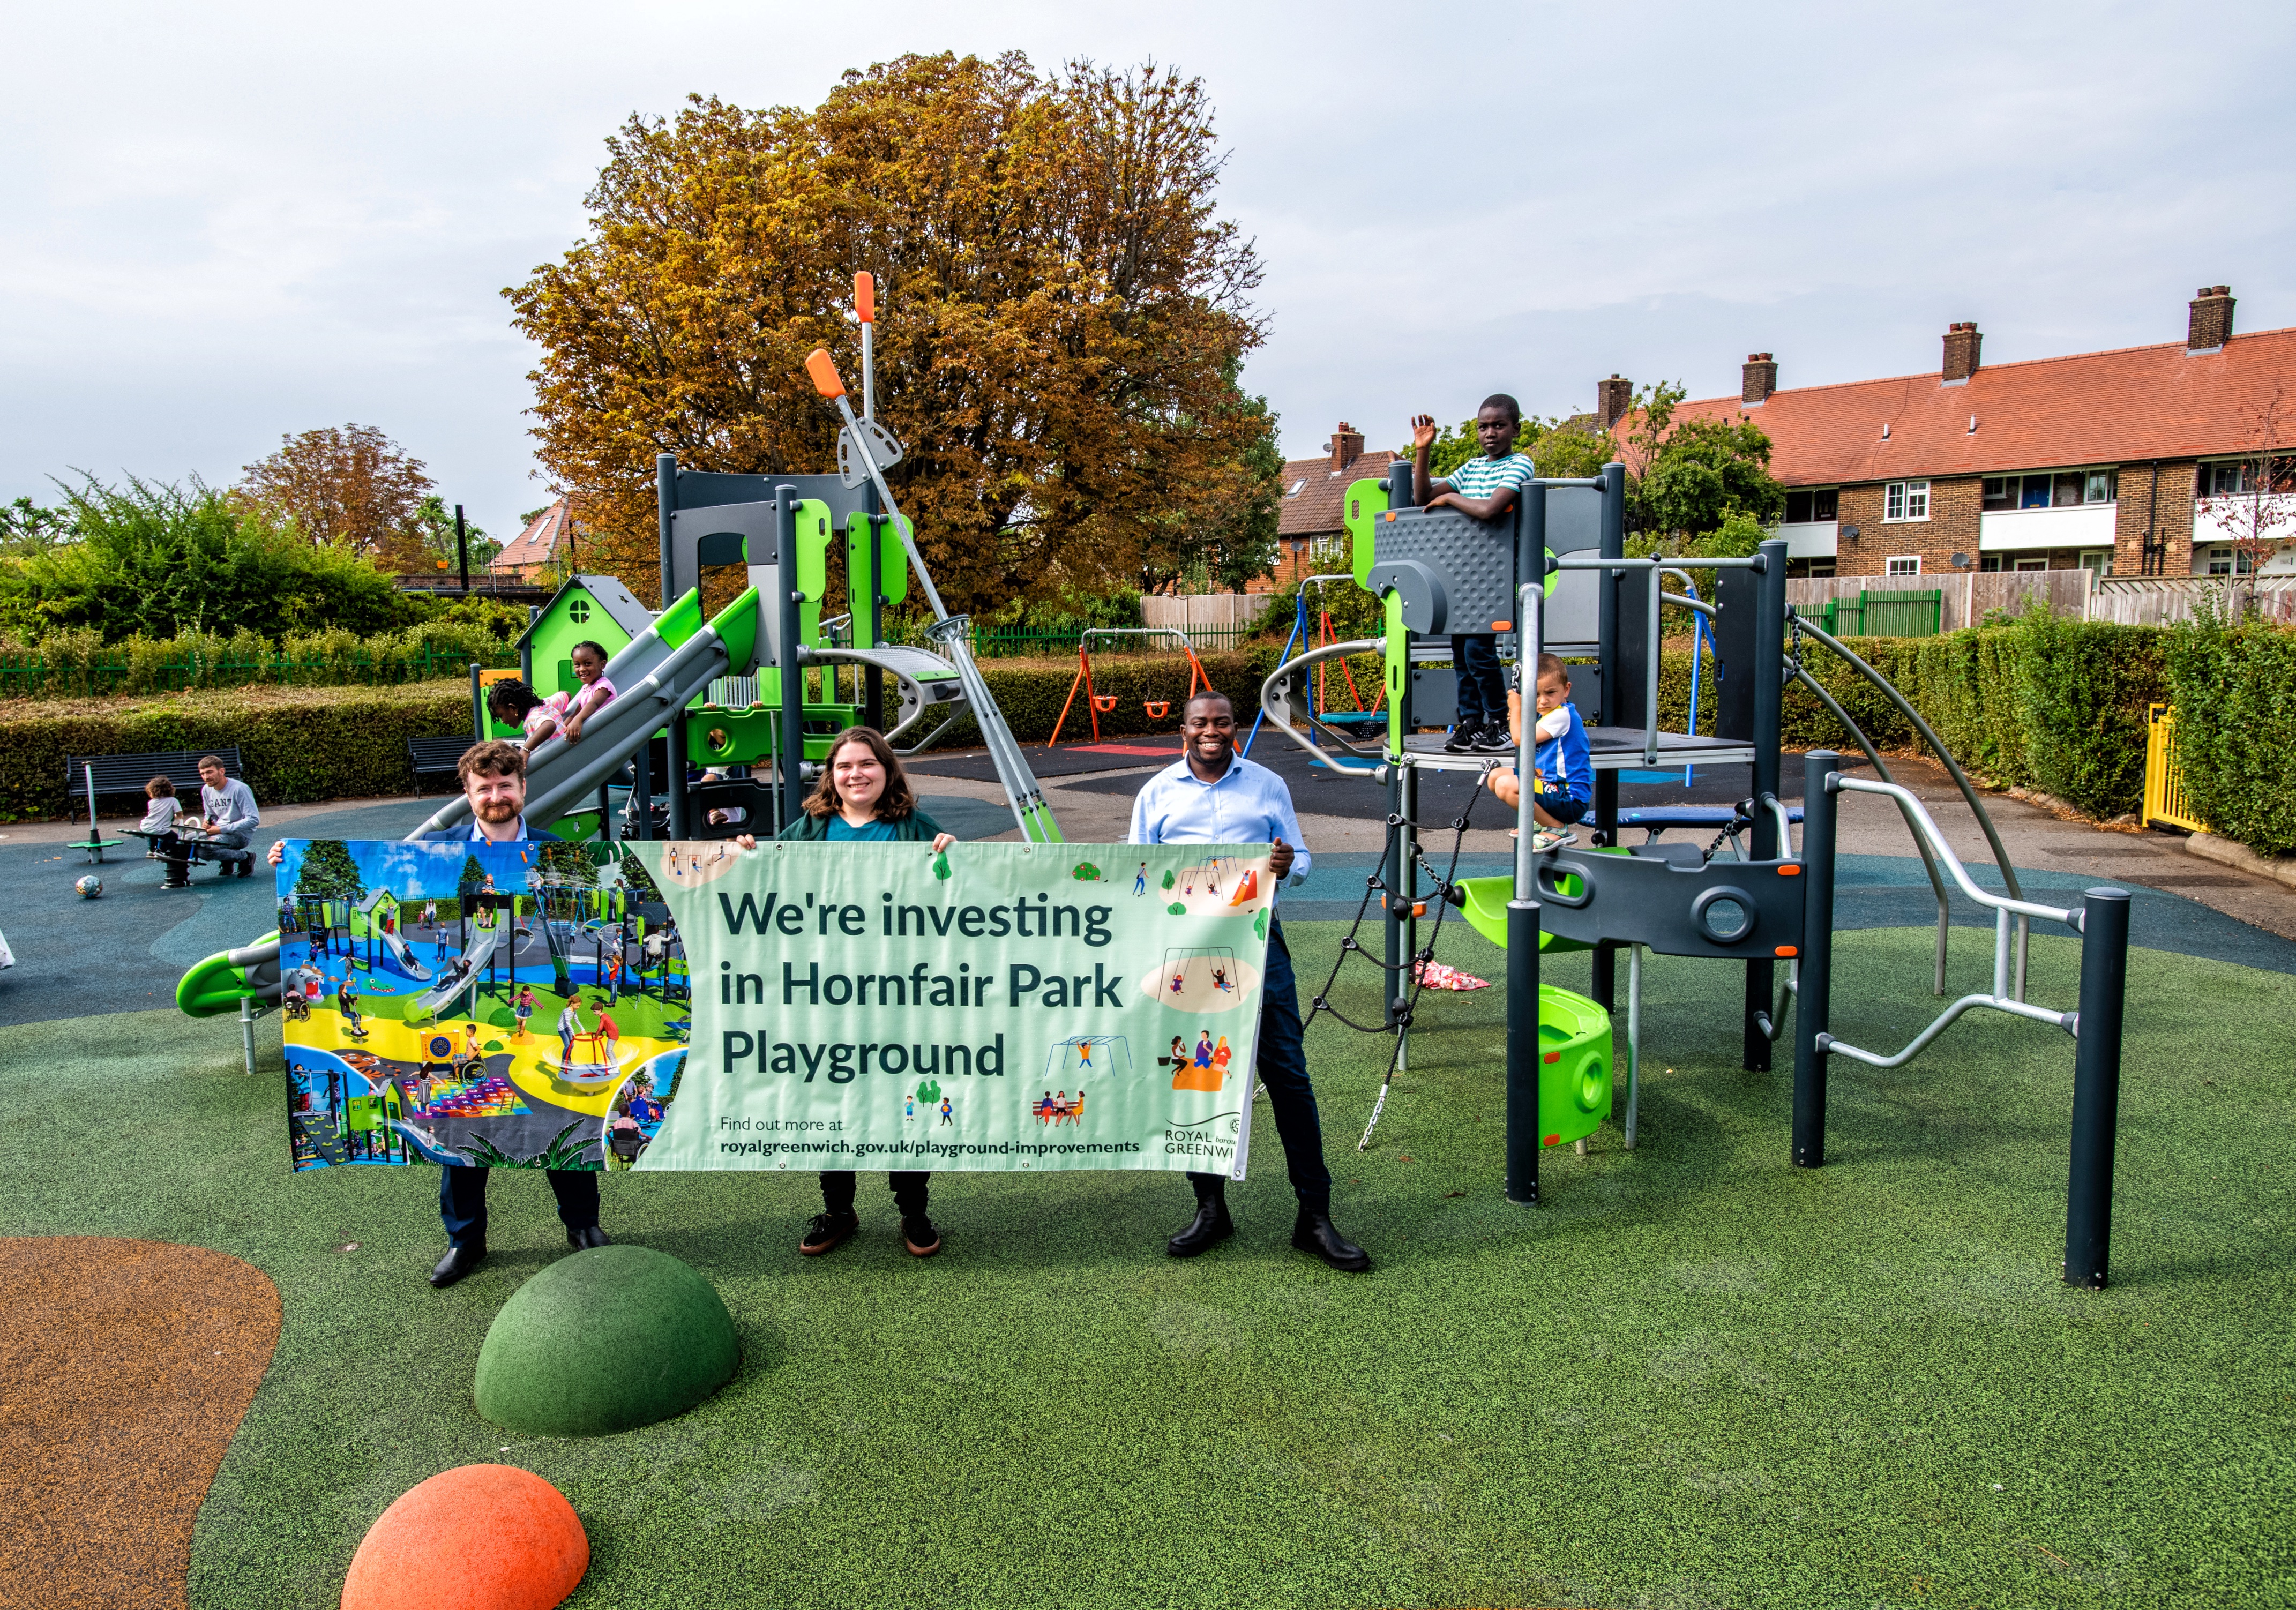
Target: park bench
x=88, y=778
x=436, y=755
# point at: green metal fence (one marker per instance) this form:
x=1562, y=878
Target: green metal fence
x=1885, y=615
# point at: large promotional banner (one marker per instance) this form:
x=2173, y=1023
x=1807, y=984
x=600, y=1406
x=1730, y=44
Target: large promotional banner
x=997, y=1006
x=848, y=1006
x=520, y=1005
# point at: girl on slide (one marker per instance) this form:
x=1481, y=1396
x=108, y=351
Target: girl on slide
x=864, y=797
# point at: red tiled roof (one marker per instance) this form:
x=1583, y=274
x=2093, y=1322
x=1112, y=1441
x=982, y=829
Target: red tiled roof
x=2114, y=407
x=537, y=544
x=1314, y=509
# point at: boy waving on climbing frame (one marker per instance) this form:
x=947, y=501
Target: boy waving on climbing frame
x=1482, y=488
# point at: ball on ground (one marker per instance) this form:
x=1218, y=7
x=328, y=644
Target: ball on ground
x=602, y=1341
x=482, y=1537
x=89, y=887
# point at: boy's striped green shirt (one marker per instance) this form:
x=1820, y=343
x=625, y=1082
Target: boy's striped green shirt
x=1482, y=477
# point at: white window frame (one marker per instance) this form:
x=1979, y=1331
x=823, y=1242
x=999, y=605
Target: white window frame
x=1905, y=497
x=1902, y=564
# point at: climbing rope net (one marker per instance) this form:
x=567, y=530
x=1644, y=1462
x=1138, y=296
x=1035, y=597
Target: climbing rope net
x=1401, y=1007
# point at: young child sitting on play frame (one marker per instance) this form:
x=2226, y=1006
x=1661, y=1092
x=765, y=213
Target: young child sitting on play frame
x=1562, y=770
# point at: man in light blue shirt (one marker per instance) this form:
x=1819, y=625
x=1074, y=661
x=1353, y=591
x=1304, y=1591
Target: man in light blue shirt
x=1213, y=795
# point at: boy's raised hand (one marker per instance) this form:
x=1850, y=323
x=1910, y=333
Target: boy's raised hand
x=1423, y=431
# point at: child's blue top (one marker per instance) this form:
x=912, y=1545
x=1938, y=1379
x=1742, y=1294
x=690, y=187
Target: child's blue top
x=1564, y=764
x=1481, y=476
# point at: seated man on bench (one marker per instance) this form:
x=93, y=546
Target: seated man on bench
x=231, y=818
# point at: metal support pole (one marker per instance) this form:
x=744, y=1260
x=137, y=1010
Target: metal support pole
x=1821, y=809
x=478, y=717
x=1523, y=1053
x=871, y=632
x=675, y=781
x=792, y=665
x=642, y=792
x=1391, y=901
x=526, y=646
x=247, y=1033
x=664, y=500
x=2097, y=1085
x=1769, y=694
x=1634, y=1042
x=463, y=548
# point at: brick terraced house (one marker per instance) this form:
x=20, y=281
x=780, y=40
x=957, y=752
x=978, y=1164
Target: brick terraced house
x=2099, y=459
x=1310, y=520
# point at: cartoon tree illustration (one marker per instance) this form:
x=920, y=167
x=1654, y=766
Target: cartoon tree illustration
x=929, y=1091
x=329, y=872
x=1170, y=879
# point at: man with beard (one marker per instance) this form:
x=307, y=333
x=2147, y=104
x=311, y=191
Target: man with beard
x=493, y=782
x=1211, y=795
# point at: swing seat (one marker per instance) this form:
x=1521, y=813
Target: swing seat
x=1157, y=708
x=1105, y=703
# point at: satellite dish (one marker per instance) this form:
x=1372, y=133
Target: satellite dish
x=883, y=448
x=1961, y=561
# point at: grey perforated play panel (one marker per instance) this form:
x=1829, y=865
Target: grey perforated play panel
x=1453, y=574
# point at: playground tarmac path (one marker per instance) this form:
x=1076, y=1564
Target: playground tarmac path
x=124, y=1369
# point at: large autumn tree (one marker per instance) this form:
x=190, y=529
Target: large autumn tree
x=1061, y=313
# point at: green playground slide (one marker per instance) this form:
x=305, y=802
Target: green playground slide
x=217, y=984
x=1485, y=911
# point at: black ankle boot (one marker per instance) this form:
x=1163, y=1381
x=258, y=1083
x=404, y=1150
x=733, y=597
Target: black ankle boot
x=1210, y=1227
x=1316, y=1236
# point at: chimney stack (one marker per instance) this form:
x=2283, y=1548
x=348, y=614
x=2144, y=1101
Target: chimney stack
x=1346, y=446
x=1615, y=398
x=1961, y=343
x=2211, y=322
x=1761, y=380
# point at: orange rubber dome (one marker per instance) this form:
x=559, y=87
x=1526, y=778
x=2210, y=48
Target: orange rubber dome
x=482, y=1537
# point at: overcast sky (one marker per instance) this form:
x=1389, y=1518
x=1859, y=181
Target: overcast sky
x=224, y=224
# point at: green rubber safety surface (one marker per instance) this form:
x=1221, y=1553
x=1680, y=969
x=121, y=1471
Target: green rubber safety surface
x=1694, y=1377
x=606, y=1340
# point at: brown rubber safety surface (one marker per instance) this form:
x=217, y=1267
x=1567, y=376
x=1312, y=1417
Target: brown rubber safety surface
x=125, y=1367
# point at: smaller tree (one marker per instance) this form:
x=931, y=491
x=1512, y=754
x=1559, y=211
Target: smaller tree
x=352, y=487
x=26, y=529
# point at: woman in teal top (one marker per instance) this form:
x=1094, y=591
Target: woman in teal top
x=864, y=797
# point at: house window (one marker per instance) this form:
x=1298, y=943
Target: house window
x=2033, y=561
x=1989, y=563
x=1821, y=566
x=1904, y=564
x=2057, y=489
x=2228, y=560
x=1803, y=508
x=1297, y=487
x=2097, y=561
x=1906, y=500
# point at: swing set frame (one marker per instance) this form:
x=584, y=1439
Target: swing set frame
x=1098, y=704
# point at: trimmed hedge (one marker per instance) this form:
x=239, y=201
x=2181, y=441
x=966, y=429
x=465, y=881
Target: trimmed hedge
x=298, y=745
x=2235, y=691
x=2050, y=704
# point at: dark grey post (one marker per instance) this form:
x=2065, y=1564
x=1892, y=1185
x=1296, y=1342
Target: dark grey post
x=1604, y=964
x=1768, y=676
x=1814, y=1002
x=674, y=785
x=462, y=548
x=867, y=633
x=478, y=728
x=665, y=502
x=792, y=668
x=642, y=787
x=1524, y=1050
x=526, y=646
x=2097, y=1085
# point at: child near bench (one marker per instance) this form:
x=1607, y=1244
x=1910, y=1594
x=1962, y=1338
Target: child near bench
x=160, y=819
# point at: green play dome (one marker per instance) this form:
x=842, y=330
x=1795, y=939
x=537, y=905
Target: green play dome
x=602, y=1341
